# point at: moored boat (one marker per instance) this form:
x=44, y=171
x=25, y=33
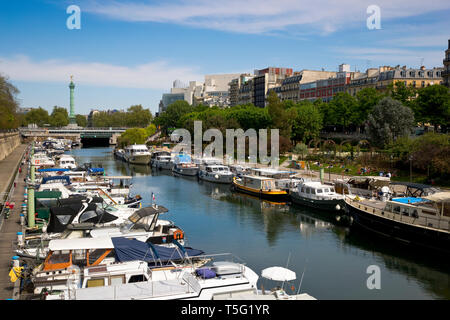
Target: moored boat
x=137, y=154
x=420, y=222
x=262, y=187
x=316, y=195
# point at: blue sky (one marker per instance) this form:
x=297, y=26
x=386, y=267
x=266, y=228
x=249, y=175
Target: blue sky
x=129, y=52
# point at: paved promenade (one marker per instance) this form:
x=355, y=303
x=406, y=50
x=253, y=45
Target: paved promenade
x=9, y=227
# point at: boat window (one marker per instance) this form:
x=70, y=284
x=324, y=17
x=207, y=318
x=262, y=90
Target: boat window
x=405, y=211
x=100, y=282
x=303, y=190
x=313, y=191
x=319, y=190
x=87, y=215
x=446, y=212
x=397, y=209
x=326, y=190
x=137, y=278
x=307, y=190
x=332, y=189
x=415, y=214
x=63, y=219
x=426, y=211
x=117, y=280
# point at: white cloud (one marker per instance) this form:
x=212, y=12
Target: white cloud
x=153, y=75
x=261, y=16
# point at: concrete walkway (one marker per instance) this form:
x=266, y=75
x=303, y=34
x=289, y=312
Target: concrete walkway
x=9, y=228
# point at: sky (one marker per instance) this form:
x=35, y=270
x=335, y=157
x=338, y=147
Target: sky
x=130, y=52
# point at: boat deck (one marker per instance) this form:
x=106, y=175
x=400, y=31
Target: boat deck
x=138, y=290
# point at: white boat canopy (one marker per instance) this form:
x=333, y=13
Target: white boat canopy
x=439, y=196
x=278, y=274
x=81, y=243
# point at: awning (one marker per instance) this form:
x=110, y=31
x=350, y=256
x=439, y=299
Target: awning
x=278, y=274
x=439, y=196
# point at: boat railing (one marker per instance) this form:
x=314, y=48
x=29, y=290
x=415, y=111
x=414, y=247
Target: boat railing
x=421, y=220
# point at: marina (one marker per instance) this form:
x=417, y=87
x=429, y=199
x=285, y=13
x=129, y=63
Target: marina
x=299, y=229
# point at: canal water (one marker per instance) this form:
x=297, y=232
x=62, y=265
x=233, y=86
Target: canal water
x=330, y=260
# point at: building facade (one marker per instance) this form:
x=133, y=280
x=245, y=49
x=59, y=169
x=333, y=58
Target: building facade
x=326, y=89
x=266, y=79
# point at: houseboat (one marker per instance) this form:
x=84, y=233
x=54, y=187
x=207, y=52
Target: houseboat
x=418, y=221
x=216, y=173
x=183, y=165
x=262, y=187
x=137, y=154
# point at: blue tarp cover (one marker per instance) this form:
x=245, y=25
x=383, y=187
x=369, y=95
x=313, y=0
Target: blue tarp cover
x=132, y=249
x=182, y=158
x=96, y=170
x=45, y=179
x=53, y=170
x=409, y=200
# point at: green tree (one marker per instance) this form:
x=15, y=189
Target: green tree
x=137, y=116
x=150, y=130
x=59, y=117
x=367, y=99
x=300, y=149
x=399, y=91
x=132, y=136
x=432, y=105
x=278, y=114
x=38, y=116
x=343, y=109
x=174, y=112
x=81, y=120
x=307, y=122
x=389, y=120
x=9, y=118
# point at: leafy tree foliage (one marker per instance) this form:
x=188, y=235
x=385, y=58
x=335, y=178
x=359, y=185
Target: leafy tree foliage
x=432, y=105
x=9, y=119
x=38, y=116
x=81, y=120
x=59, y=117
x=132, y=136
x=388, y=121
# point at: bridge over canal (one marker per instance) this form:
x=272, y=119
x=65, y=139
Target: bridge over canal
x=87, y=136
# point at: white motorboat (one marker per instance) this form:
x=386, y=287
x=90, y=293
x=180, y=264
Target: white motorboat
x=216, y=173
x=183, y=165
x=314, y=194
x=161, y=273
x=137, y=154
x=66, y=162
x=163, y=162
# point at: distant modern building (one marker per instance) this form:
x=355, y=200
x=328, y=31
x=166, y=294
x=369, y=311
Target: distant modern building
x=446, y=71
x=266, y=79
x=234, y=87
x=212, y=92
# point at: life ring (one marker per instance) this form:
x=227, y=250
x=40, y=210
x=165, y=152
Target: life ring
x=178, y=234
